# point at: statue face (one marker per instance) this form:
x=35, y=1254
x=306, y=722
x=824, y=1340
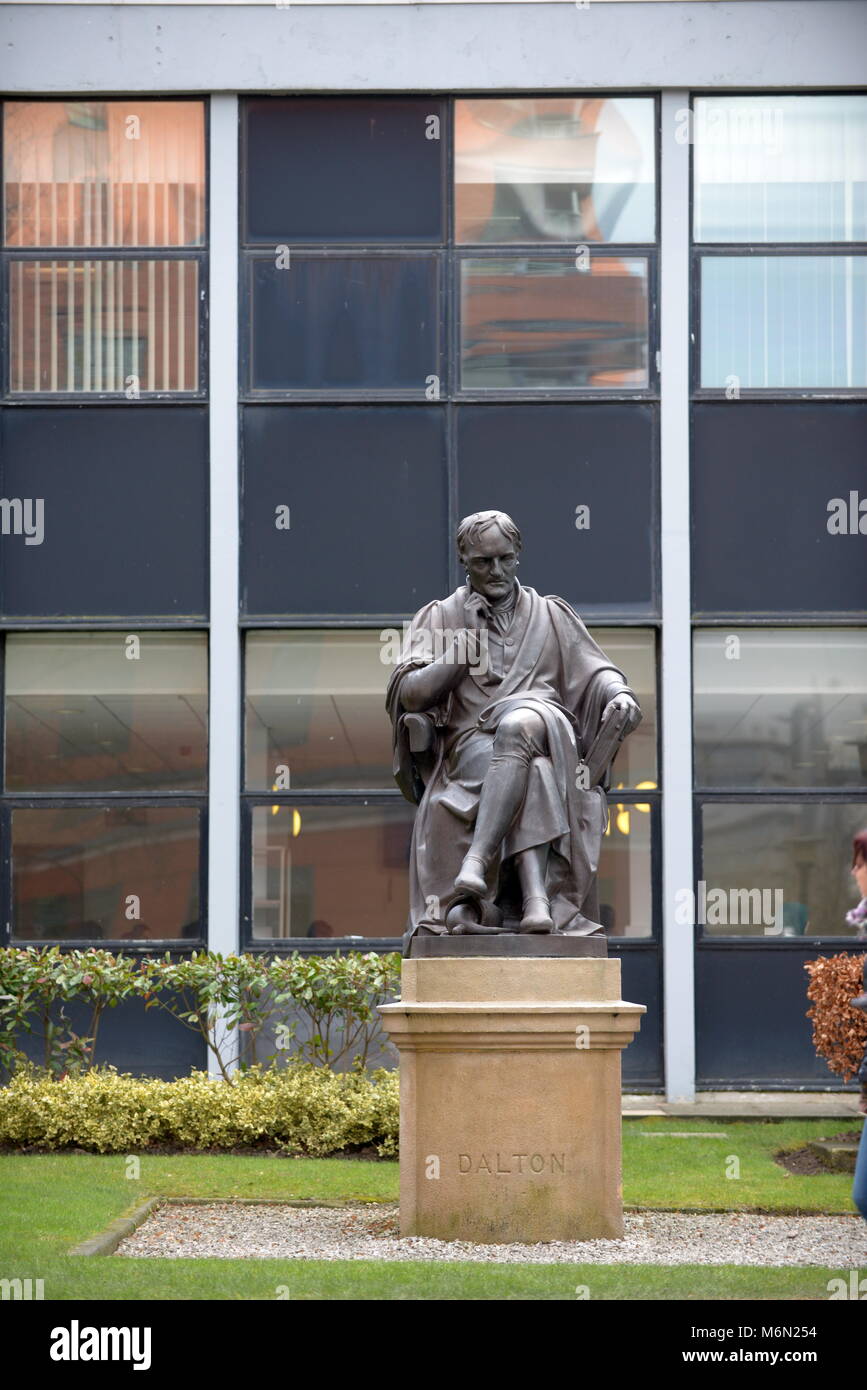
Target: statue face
x=491, y=563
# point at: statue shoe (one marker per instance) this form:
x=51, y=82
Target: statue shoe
x=859, y=1002
x=471, y=878
x=537, y=916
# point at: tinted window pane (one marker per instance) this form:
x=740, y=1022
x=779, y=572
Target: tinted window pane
x=331, y=871
x=92, y=712
x=104, y=173
x=107, y=326
x=775, y=498
x=784, y=321
x=341, y=169
x=624, y=882
x=634, y=653
x=780, y=168
x=793, y=859
x=78, y=871
x=780, y=708
x=541, y=324
x=554, y=169
x=124, y=511
x=366, y=530
x=315, y=710
x=345, y=324
x=552, y=466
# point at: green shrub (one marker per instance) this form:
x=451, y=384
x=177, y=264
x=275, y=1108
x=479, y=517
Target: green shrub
x=229, y=1001
x=303, y=1108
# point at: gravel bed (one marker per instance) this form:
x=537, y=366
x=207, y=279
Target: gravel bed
x=364, y=1232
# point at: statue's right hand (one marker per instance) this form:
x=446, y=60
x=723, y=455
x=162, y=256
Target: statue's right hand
x=476, y=613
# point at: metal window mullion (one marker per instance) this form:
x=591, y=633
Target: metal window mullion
x=224, y=756
x=676, y=663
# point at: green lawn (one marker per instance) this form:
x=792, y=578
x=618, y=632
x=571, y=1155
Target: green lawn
x=49, y=1203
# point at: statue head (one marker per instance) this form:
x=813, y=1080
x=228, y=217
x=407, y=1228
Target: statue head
x=489, y=544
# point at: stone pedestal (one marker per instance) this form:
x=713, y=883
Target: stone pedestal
x=510, y=1097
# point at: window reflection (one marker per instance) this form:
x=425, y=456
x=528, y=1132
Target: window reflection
x=781, y=708
x=104, y=173
x=784, y=321
x=633, y=651
x=544, y=323
x=778, y=870
x=624, y=881
x=118, y=873
x=315, y=711
x=544, y=169
x=82, y=716
x=330, y=871
x=780, y=168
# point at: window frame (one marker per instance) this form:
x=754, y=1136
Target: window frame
x=199, y=254
x=163, y=800
x=734, y=250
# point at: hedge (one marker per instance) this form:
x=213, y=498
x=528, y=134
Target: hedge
x=839, y=1031
x=301, y=1108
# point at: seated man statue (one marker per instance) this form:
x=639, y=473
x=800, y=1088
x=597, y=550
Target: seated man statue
x=506, y=716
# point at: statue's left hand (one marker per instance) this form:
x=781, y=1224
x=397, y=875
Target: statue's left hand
x=624, y=702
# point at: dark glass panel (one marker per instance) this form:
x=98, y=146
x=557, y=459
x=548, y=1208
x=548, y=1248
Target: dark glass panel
x=553, y=466
x=341, y=169
x=345, y=324
x=366, y=529
x=122, y=493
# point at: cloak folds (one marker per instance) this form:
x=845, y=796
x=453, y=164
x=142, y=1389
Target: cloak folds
x=545, y=661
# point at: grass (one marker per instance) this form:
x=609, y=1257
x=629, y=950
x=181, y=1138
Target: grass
x=51, y=1202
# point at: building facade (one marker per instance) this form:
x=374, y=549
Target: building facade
x=288, y=290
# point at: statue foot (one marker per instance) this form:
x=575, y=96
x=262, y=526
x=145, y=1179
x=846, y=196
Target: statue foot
x=471, y=878
x=537, y=916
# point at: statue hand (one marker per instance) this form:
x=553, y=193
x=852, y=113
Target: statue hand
x=476, y=612
x=624, y=702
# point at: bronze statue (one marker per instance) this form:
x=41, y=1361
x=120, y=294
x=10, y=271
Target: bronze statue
x=506, y=717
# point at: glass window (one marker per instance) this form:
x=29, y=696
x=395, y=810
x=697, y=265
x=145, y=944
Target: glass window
x=342, y=169
x=780, y=707
x=543, y=169
x=625, y=871
x=315, y=711
x=106, y=712
x=98, y=325
x=536, y=324
x=345, y=324
x=633, y=651
x=780, y=168
x=106, y=873
x=783, y=321
x=777, y=869
x=104, y=173
x=331, y=871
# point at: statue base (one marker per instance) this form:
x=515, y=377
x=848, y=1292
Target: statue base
x=510, y=1095
x=530, y=947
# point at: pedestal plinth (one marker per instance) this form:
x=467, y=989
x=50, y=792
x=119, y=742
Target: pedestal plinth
x=510, y=1097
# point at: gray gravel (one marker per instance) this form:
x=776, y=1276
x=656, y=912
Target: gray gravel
x=365, y=1232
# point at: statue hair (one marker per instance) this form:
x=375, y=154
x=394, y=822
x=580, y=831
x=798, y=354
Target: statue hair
x=473, y=527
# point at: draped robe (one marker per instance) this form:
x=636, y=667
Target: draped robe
x=546, y=661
